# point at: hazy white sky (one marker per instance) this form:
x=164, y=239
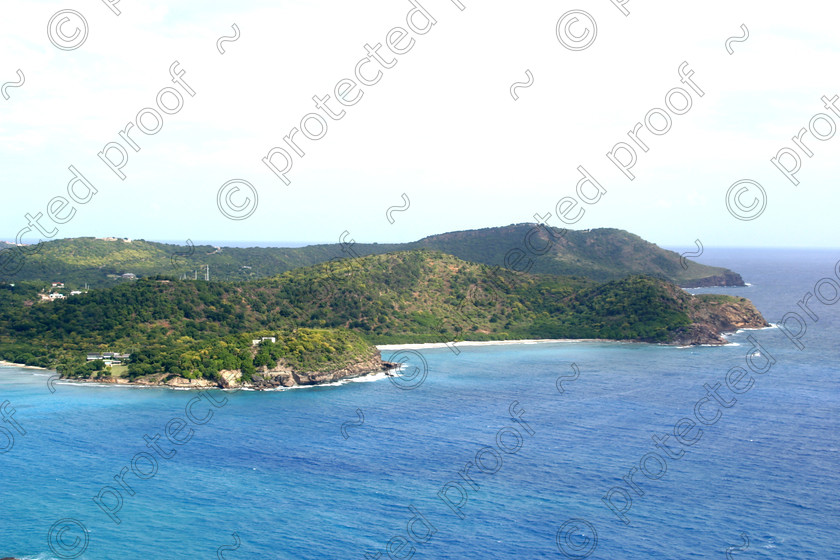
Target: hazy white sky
x=440, y=126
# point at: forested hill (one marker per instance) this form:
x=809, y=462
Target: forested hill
x=600, y=254
x=197, y=328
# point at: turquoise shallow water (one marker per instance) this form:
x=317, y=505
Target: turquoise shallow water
x=276, y=470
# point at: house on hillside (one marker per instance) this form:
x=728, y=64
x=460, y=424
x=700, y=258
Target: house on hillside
x=129, y=276
x=55, y=295
x=110, y=358
x=256, y=341
x=58, y=285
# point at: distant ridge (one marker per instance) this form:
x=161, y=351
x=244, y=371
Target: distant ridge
x=598, y=254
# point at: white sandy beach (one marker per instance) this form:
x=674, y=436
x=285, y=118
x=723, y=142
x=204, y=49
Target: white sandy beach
x=22, y=366
x=429, y=345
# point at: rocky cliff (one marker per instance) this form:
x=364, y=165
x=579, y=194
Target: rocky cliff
x=282, y=376
x=728, y=278
x=714, y=315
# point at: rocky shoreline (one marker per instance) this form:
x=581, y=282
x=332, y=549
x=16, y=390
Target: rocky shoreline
x=727, y=279
x=264, y=379
x=716, y=318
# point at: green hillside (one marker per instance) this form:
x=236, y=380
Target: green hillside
x=601, y=254
x=598, y=254
x=329, y=314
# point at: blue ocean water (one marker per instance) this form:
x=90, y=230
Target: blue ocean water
x=272, y=476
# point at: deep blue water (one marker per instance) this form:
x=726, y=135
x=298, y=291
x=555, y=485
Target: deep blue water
x=275, y=469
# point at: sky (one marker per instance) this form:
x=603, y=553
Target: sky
x=436, y=139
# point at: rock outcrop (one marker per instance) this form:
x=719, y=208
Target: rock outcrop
x=728, y=278
x=282, y=376
x=712, y=316
x=183, y=383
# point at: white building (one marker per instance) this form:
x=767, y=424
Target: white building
x=110, y=358
x=256, y=341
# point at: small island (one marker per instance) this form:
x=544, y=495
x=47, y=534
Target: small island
x=321, y=323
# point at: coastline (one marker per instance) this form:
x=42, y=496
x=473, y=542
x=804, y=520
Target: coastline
x=385, y=368
x=465, y=343
x=431, y=345
x=287, y=379
x=468, y=343
x=4, y=363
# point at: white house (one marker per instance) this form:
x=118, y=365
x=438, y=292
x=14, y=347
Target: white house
x=55, y=295
x=256, y=341
x=110, y=358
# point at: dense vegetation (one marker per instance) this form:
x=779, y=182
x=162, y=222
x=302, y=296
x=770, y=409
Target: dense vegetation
x=600, y=254
x=325, y=316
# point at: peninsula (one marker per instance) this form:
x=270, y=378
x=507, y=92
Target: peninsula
x=320, y=323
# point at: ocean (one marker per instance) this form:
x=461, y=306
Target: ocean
x=557, y=450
